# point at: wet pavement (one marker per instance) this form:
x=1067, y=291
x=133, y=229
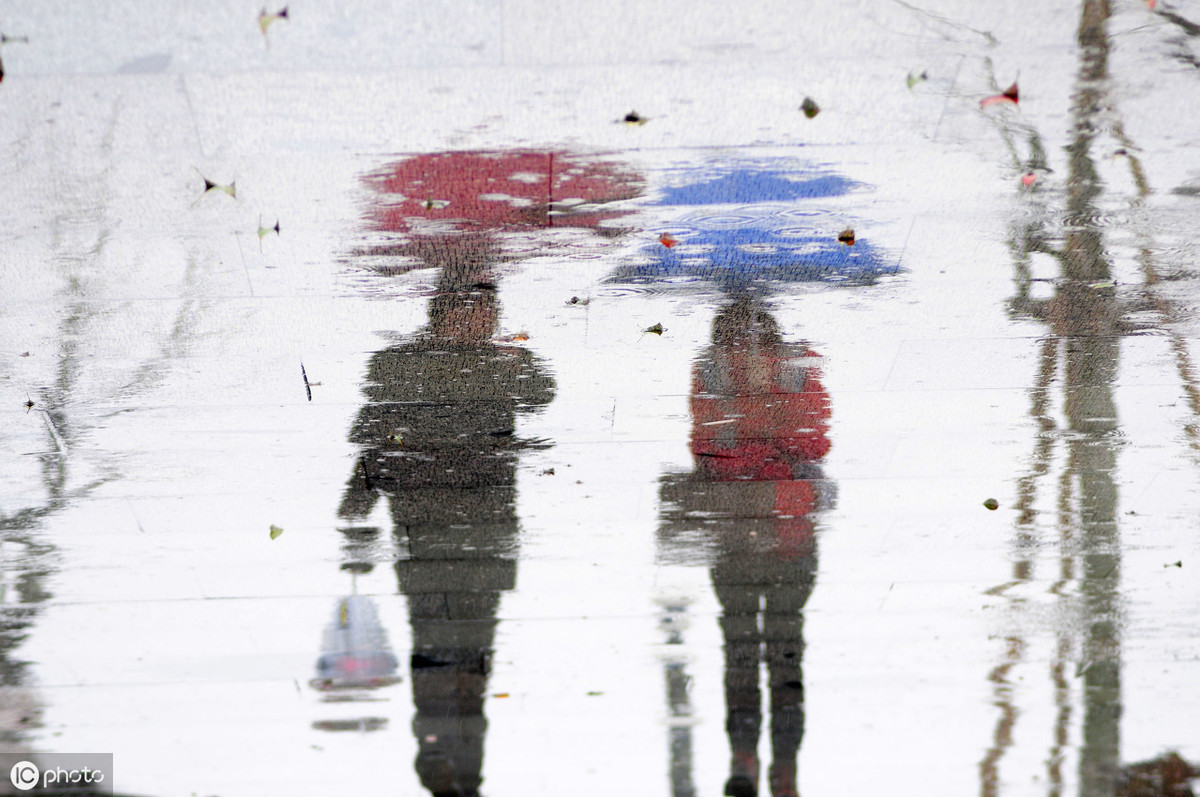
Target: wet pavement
x=539, y=400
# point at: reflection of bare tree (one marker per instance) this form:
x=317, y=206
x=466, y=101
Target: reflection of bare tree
x=67, y=404
x=27, y=558
x=1086, y=320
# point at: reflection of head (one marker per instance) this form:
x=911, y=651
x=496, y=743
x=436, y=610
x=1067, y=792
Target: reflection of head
x=745, y=321
x=465, y=316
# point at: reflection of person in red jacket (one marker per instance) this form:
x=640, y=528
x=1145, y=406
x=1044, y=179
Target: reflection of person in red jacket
x=760, y=421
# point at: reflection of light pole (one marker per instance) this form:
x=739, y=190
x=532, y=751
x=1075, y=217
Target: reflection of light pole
x=674, y=621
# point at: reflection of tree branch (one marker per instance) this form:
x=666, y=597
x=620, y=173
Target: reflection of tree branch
x=949, y=23
x=1165, y=309
x=989, y=773
x=1062, y=716
x=1039, y=411
x=1189, y=27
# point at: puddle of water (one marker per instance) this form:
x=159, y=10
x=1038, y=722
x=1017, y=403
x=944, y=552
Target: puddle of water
x=573, y=541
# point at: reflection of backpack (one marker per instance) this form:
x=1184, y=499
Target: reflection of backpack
x=758, y=413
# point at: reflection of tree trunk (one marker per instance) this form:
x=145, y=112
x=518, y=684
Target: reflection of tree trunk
x=1089, y=321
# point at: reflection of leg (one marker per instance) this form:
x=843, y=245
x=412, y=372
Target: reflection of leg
x=783, y=628
x=743, y=700
x=451, y=661
x=784, y=632
x=453, y=635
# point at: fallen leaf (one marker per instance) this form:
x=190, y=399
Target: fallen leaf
x=1028, y=179
x=500, y=695
x=810, y=107
x=914, y=79
x=275, y=531
x=657, y=329
x=992, y=504
x=632, y=118
x=846, y=236
x=548, y=472
x=1010, y=94
x=263, y=232
x=666, y=240
x=209, y=185
x=265, y=19
x=516, y=337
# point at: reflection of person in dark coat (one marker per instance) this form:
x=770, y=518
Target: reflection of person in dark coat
x=760, y=419
x=437, y=437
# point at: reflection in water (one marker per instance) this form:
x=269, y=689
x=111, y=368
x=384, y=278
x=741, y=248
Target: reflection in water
x=452, y=208
x=759, y=433
x=438, y=441
x=24, y=566
x=356, y=661
x=355, y=653
x=1086, y=322
x=437, y=433
x=756, y=220
x=674, y=621
x=759, y=426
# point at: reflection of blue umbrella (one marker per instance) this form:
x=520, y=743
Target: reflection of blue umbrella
x=354, y=649
x=756, y=221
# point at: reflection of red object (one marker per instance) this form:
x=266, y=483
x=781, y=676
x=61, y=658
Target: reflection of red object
x=768, y=415
x=757, y=430
x=495, y=191
x=760, y=414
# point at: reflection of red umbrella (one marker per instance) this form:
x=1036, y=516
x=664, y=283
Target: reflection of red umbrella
x=499, y=191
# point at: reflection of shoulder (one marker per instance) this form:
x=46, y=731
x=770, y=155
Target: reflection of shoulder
x=426, y=368
x=797, y=368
